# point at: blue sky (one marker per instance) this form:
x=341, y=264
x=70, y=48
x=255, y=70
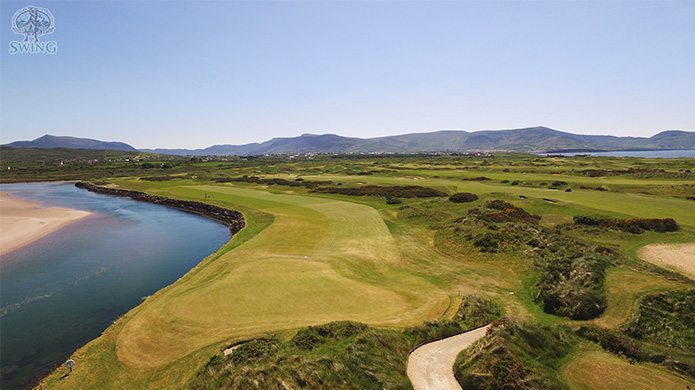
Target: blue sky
x=185, y=74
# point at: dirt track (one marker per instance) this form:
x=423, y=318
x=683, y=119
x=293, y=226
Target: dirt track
x=431, y=366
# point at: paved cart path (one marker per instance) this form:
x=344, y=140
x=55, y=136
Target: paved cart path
x=431, y=366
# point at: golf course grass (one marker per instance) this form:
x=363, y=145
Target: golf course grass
x=309, y=258
x=599, y=370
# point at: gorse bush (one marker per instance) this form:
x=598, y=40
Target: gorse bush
x=514, y=355
x=615, y=343
x=336, y=355
x=570, y=271
x=463, y=197
x=308, y=338
x=299, y=182
x=339, y=355
x=488, y=242
x=500, y=211
x=392, y=200
x=571, y=285
x=666, y=318
x=475, y=311
x=634, y=350
x=631, y=225
x=392, y=191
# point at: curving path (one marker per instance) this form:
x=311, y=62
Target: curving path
x=431, y=366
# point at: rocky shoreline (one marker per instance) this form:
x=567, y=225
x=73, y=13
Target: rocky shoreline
x=233, y=219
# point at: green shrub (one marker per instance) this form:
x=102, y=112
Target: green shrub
x=666, y=318
x=499, y=211
x=572, y=286
x=615, y=343
x=309, y=338
x=514, y=355
x=475, y=311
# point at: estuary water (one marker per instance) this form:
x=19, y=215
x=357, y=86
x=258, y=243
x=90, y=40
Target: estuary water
x=637, y=153
x=63, y=290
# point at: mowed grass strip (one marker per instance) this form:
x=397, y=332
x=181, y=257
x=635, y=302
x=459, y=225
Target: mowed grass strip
x=320, y=260
x=608, y=203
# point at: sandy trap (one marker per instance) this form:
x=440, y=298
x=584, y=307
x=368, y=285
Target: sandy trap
x=679, y=257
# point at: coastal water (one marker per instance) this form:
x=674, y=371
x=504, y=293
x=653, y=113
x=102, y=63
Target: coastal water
x=63, y=290
x=637, y=153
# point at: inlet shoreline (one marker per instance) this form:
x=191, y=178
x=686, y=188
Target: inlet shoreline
x=23, y=222
x=233, y=219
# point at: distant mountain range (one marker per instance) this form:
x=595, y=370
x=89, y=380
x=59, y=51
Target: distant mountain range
x=532, y=139
x=53, y=141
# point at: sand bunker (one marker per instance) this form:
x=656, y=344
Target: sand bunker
x=679, y=257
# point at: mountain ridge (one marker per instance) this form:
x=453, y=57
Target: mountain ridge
x=530, y=139
x=53, y=141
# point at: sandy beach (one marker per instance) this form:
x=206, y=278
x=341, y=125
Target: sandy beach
x=23, y=221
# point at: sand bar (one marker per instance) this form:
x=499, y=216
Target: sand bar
x=23, y=221
x=680, y=257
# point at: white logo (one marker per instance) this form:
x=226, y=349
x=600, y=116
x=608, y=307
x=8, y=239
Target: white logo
x=33, y=22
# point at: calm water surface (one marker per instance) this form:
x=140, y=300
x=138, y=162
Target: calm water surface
x=640, y=153
x=65, y=289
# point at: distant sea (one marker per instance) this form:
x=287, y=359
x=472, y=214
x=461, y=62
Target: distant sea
x=633, y=153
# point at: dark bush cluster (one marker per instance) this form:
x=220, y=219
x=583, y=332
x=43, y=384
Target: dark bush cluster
x=633, y=350
x=392, y=191
x=463, y=197
x=488, y=242
x=571, y=285
x=571, y=271
x=638, y=172
x=392, y=200
x=479, y=178
x=594, y=172
x=299, y=182
x=631, y=225
x=500, y=211
x=160, y=178
x=599, y=188
x=615, y=343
